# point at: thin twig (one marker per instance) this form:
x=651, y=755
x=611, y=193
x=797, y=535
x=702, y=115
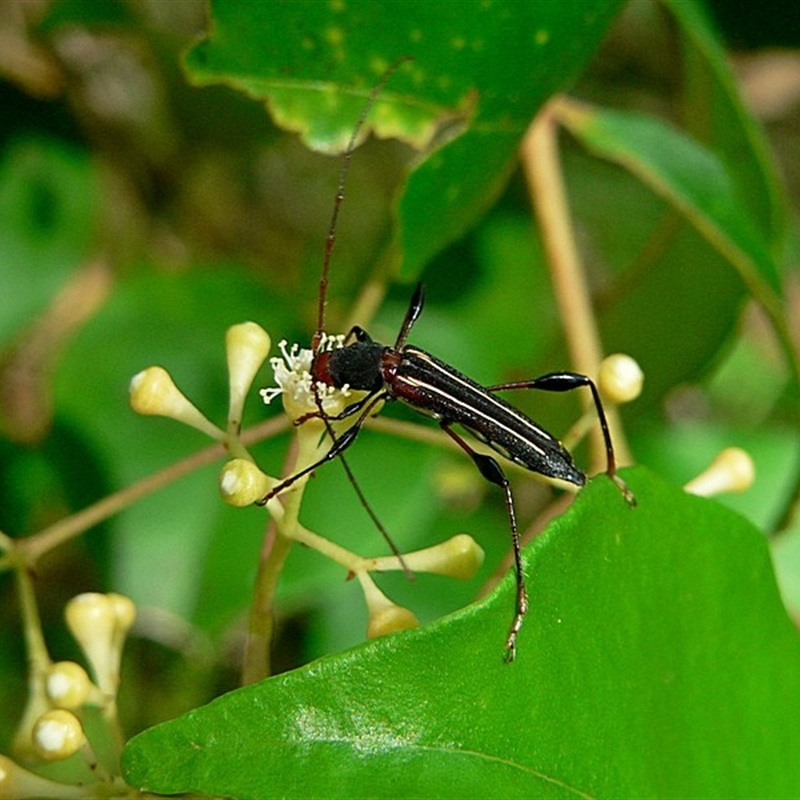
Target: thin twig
x=37, y=544
x=542, y=167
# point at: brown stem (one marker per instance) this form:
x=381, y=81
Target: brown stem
x=37, y=544
x=542, y=167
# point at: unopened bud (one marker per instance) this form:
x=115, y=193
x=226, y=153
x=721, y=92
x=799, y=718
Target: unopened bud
x=247, y=346
x=153, y=392
x=242, y=483
x=100, y=624
x=620, y=378
x=460, y=485
x=731, y=471
x=57, y=734
x=385, y=616
x=459, y=557
x=67, y=685
x=125, y=613
x=390, y=619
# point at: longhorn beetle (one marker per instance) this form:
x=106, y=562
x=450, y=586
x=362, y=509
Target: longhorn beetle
x=434, y=388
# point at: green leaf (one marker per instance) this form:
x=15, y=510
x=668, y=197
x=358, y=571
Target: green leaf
x=657, y=262
x=689, y=177
x=715, y=114
x=480, y=72
x=648, y=666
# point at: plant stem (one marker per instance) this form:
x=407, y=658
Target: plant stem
x=38, y=657
x=37, y=544
x=261, y=626
x=283, y=530
x=548, y=195
x=367, y=304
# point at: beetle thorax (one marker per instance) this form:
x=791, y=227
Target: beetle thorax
x=358, y=366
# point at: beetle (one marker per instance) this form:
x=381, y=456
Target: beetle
x=429, y=385
x=434, y=388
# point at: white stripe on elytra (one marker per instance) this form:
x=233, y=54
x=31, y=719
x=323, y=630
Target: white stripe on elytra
x=476, y=412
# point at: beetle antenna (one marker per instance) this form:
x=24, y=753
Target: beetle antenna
x=330, y=240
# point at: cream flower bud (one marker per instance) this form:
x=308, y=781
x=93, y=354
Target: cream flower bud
x=67, y=685
x=100, y=623
x=19, y=783
x=385, y=616
x=620, y=378
x=125, y=615
x=242, y=483
x=731, y=471
x=125, y=612
x=460, y=557
x=153, y=392
x=247, y=346
x=57, y=734
x=390, y=619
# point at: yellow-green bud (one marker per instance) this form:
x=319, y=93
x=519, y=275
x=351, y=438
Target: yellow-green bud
x=57, y=734
x=385, y=616
x=620, y=378
x=17, y=783
x=124, y=611
x=731, y=471
x=459, y=484
x=247, y=346
x=459, y=557
x=153, y=392
x=100, y=623
x=91, y=619
x=390, y=619
x=242, y=483
x=67, y=685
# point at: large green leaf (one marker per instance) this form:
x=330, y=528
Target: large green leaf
x=689, y=177
x=715, y=114
x=657, y=660
x=480, y=72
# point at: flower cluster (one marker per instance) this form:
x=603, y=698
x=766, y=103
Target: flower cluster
x=51, y=727
x=242, y=482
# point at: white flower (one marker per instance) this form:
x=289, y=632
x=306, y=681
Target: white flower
x=293, y=378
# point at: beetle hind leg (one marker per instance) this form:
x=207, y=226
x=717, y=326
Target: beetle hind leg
x=492, y=471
